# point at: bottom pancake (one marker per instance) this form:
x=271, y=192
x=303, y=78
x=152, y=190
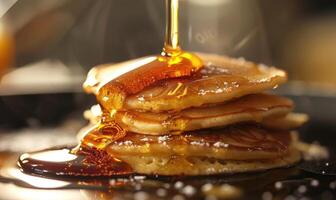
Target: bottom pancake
x=227, y=150
x=179, y=165
x=185, y=158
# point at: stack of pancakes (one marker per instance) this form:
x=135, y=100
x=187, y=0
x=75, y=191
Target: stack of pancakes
x=218, y=121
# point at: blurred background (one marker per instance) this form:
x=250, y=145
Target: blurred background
x=47, y=47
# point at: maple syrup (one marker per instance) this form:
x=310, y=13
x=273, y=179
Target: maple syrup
x=62, y=162
x=172, y=63
x=102, y=135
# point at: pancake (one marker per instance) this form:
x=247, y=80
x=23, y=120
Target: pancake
x=195, y=166
x=232, y=149
x=222, y=79
x=251, y=108
x=243, y=142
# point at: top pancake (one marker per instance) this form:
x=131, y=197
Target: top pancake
x=222, y=79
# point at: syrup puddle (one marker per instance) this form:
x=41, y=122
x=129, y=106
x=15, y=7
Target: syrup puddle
x=285, y=182
x=61, y=162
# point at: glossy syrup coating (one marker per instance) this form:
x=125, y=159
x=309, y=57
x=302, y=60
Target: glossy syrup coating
x=180, y=64
x=220, y=79
x=102, y=135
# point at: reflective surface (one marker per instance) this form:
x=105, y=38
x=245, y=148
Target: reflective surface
x=278, y=183
x=313, y=180
x=61, y=162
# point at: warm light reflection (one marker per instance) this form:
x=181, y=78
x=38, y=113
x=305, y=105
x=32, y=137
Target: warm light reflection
x=94, y=114
x=96, y=110
x=62, y=155
x=99, y=76
x=36, y=181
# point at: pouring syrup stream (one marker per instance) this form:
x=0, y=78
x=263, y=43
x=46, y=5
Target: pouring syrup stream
x=172, y=28
x=173, y=62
